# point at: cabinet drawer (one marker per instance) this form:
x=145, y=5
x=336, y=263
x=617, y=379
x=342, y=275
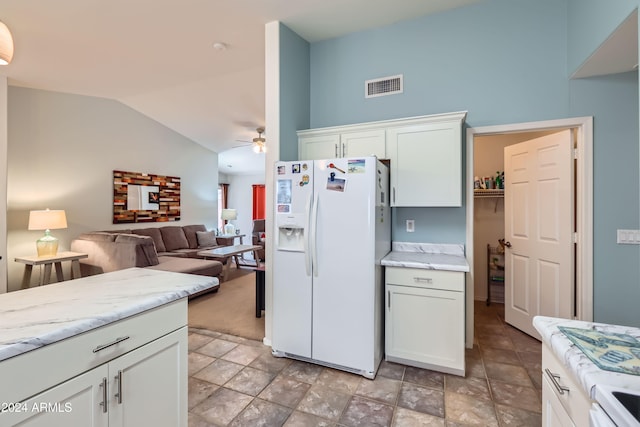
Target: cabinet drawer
x=573, y=399
x=55, y=363
x=422, y=278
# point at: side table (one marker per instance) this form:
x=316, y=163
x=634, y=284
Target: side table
x=48, y=261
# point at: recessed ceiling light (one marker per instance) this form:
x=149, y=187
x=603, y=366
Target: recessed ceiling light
x=219, y=46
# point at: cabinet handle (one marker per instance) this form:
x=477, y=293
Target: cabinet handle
x=118, y=395
x=389, y=300
x=394, y=194
x=114, y=342
x=104, y=395
x=554, y=380
x=423, y=279
x=343, y=150
x=335, y=149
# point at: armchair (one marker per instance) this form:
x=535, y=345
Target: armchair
x=257, y=236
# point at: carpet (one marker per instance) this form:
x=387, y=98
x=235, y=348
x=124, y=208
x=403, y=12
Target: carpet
x=231, y=310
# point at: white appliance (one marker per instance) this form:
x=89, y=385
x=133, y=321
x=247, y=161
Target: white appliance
x=332, y=228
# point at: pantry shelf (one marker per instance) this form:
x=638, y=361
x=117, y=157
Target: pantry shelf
x=488, y=193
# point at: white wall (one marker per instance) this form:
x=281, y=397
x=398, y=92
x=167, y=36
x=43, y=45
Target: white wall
x=241, y=199
x=3, y=182
x=62, y=150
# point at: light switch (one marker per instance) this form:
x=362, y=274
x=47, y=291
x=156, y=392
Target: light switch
x=628, y=237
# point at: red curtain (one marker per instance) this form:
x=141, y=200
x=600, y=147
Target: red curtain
x=259, y=202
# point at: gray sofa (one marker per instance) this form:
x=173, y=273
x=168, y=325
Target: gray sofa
x=116, y=250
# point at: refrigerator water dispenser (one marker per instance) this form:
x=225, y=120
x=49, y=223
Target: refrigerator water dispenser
x=290, y=238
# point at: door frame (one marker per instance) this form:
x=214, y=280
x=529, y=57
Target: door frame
x=583, y=212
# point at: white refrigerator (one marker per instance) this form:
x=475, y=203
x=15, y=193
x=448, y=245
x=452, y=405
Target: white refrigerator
x=332, y=228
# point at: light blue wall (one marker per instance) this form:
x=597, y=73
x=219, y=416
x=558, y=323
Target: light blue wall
x=503, y=61
x=613, y=101
x=590, y=23
x=294, y=91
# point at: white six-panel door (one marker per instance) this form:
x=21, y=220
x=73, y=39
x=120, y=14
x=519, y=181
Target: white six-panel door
x=539, y=226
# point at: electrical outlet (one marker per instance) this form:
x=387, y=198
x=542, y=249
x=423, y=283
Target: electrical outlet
x=628, y=237
x=411, y=226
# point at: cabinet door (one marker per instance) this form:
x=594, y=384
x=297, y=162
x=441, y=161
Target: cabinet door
x=318, y=147
x=149, y=385
x=425, y=326
x=553, y=413
x=366, y=143
x=426, y=164
x=78, y=402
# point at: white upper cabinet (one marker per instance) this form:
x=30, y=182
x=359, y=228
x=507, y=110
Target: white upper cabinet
x=343, y=141
x=426, y=161
x=364, y=143
x=425, y=154
x=316, y=147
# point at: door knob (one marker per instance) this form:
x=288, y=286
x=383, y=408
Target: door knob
x=507, y=244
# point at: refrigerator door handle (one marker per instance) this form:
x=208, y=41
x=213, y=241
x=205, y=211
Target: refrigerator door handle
x=314, y=228
x=307, y=238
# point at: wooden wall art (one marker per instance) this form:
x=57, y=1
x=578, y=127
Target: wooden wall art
x=141, y=197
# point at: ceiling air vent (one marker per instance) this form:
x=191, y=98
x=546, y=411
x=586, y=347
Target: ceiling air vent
x=383, y=86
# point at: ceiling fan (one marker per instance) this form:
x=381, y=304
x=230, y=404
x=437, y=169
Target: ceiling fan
x=259, y=143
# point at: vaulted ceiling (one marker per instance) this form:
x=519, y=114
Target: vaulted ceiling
x=158, y=56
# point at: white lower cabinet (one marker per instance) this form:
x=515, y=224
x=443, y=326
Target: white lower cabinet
x=424, y=323
x=554, y=414
x=564, y=403
x=76, y=402
x=144, y=387
x=129, y=373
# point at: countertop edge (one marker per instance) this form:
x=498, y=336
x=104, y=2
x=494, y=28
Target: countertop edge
x=71, y=327
x=423, y=266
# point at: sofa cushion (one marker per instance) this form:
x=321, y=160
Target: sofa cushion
x=98, y=236
x=154, y=233
x=190, y=233
x=189, y=265
x=174, y=238
x=206, y=239
x=144, y=244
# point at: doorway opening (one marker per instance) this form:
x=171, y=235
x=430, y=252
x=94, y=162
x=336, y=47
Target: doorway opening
x=493, y=139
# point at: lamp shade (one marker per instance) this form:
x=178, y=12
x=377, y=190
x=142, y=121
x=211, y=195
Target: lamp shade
x=228, y=214
x=47, y=220
x=6, y=44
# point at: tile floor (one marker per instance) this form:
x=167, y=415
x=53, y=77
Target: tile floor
x=236, y=382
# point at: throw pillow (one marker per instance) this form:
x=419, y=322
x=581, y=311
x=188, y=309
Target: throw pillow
x=206, y=239
x=174, y=238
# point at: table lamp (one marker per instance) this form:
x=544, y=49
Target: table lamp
x=47, y=220
x=229, y=214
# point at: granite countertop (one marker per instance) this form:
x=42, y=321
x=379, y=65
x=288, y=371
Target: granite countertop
x=583, y=369
x=35, y=317
x=429, y=256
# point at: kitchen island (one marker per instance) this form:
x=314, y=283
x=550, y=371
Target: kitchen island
x=574, y=387
x=100, y=350
x=425, y=303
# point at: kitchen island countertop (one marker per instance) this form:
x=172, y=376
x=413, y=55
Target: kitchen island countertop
x=583, y=369
x=35, y=317
x=430, y=256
